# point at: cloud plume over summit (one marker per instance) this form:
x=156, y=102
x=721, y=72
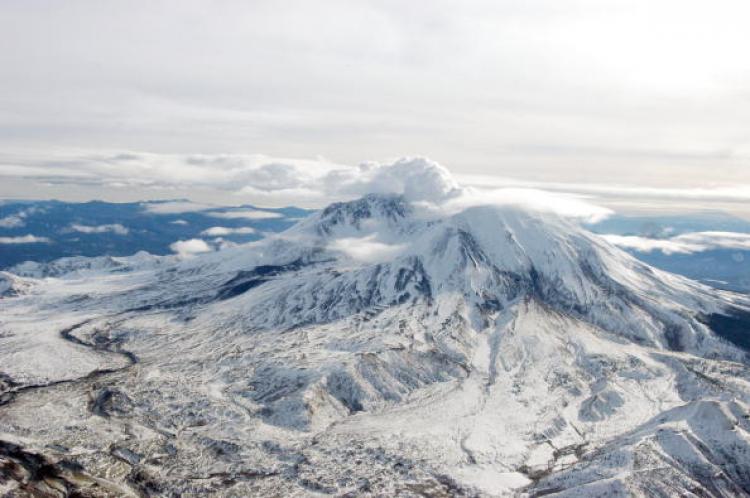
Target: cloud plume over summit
x=308, y=181
x=277, y=181
x=272, y=181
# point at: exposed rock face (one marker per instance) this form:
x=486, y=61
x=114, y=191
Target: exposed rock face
x=373, y=350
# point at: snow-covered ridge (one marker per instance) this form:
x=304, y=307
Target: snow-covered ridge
x=389, y=209
x=492, y=350
x=12, y=285
x=81, y=264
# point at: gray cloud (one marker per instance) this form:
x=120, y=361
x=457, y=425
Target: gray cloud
x=542, y=90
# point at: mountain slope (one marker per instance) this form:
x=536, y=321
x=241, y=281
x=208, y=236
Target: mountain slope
x=378, y=347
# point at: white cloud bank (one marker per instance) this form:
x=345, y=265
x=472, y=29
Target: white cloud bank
x=223, y=231
x=191, y=247
x=299, y=182
x=739, y=193
x=367, y=249
x=687, y=243
x=565, y=205
x=115, y=228
x=249, y=214
x=24, y=239
x=270, y=181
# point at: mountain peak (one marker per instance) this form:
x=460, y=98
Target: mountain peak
x=377, y=208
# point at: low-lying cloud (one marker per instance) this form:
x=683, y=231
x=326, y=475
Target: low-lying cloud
x=565, y=205
x=687, y=243
x=191, y=247
x=366, y=249
x=115, y=228
x=224, y=231
x=24, y=239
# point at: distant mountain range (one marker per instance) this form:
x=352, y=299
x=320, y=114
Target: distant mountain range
x=47, y=230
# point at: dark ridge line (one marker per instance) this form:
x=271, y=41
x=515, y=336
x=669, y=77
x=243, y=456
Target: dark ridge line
x=731, y=324
x=37, y=475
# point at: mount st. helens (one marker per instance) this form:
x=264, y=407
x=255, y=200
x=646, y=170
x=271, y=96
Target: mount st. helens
x=378, y=348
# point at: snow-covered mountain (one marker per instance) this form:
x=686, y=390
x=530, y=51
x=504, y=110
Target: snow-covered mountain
x=379, y=347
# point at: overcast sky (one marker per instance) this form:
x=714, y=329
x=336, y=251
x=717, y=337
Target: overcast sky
x=623, y=95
